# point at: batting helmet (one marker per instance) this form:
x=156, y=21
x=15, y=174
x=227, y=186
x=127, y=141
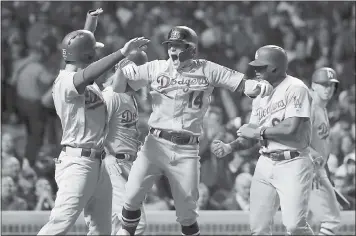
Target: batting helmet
x=325, y=75
x=271, y=55
x=79, y=46
x=187, y=36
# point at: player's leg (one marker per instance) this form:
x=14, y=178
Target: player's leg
x=183, y=174
x=119, y=172
x=144, y=172
x=324, y=206
x=97, y=212
x=264, y=201
x=293, y=181
x=75, y=177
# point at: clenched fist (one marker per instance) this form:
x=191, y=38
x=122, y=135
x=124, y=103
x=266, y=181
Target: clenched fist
x=220, y=149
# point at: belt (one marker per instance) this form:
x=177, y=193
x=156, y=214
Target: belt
x=282, y=155
x=84, y=152
x=125, y=156
x=177, y=138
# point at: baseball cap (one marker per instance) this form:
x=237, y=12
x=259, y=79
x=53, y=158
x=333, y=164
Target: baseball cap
x=324, y=75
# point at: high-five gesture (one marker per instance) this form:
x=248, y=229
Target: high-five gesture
x=96, y=12
x=135, y=44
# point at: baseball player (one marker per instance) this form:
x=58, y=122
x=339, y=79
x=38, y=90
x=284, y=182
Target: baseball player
x=180, y=88
x=324, y=207
x=82, y=181
x=281, y=122
x=122, y=142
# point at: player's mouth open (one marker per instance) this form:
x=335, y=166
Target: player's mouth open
x=174, y=57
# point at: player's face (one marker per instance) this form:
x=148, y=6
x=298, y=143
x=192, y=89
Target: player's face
x=324, y=90
x=262, y=72
x=174, y=48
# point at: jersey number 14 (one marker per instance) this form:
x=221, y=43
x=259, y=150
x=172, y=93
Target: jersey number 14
x=196, y=99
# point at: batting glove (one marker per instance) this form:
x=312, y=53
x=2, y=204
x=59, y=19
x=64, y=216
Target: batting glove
x=253, y=88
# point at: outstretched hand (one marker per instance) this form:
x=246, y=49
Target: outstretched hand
x=134, y=45
x=96, y=12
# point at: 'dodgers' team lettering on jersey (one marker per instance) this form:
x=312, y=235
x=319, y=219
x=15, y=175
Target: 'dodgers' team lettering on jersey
x=123, y=118
x=290, y=98
x=83, y=116
x=180, y=100
x=320, y=141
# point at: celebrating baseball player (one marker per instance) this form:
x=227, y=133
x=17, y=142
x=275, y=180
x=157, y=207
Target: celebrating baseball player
x=83, y=182
x=122, y=142
x=180, y=88
x=323, y=203
x=281, y=122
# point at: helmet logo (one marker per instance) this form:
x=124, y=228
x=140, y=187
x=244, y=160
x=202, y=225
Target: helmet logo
x=256, y=55
x=330, y=74
x=64, y=53
x=176, y=35
x=275, y=47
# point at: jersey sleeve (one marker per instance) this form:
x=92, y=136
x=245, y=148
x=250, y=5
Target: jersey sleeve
x=64, y=88
x=221, y=76
x=112, y=100
x=298, y=102
x=145, y=75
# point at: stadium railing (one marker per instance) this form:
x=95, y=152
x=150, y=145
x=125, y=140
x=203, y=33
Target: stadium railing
x=163, y=223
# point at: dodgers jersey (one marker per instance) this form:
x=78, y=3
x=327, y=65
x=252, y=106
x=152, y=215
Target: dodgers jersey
x=180, y=99
x=291, y=98
x=123, y=117
x=83, y=116
x=320, y=140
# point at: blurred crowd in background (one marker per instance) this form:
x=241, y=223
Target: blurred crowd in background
x=230, y=33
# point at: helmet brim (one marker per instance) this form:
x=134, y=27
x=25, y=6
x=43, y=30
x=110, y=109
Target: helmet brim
x=334, y=80
x=99, y=45
x=257, y=63
x=175, y=40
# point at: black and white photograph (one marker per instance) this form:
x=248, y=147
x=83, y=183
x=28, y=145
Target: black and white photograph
x=178, y=118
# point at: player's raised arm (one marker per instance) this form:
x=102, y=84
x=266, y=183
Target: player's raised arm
x=78, y=50
x=93, y=71
x=92, y=19
x=133, y=71
x=222, y=76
